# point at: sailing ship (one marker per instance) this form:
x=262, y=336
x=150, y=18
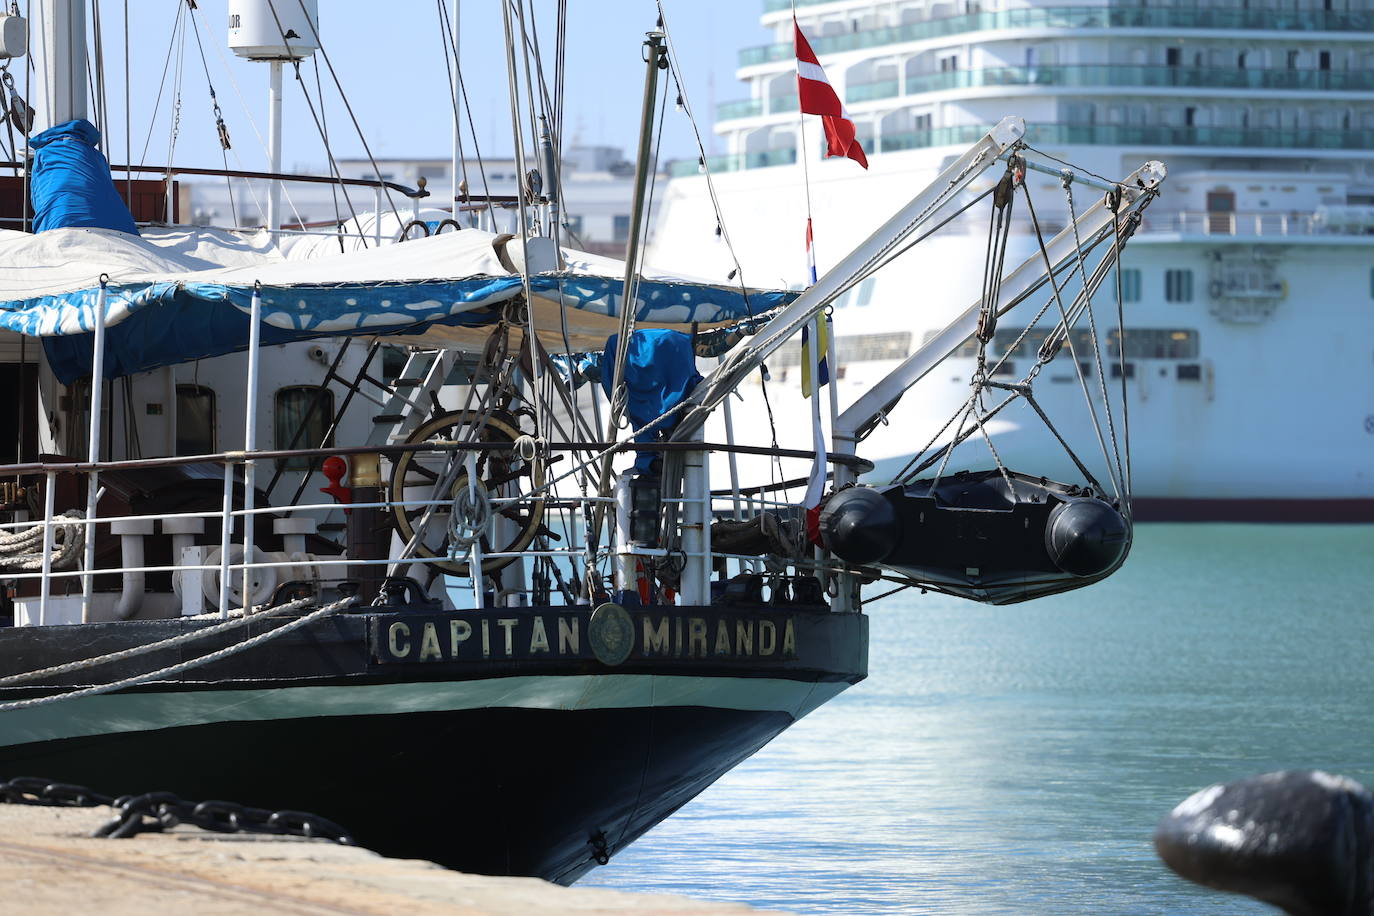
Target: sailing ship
x=520, y=626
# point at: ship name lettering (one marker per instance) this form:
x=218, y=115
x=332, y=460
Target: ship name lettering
x=655, y=638
x=459, y=632
x=569, y=638
x=539, y=637
x=507, y=623
x=722, y=637
x=696, y=636
x=665, y=636
x=429, y=643
x=398, y=632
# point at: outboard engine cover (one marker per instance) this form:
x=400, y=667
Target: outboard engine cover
x=972, y=536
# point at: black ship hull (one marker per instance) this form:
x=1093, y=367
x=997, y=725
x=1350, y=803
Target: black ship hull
x=508, y=764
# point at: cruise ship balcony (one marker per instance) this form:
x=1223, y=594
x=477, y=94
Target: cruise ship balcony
x=1119, y=75
x=734, y=162
x=753, y=108
x=1076, y=17
x=1151, y=135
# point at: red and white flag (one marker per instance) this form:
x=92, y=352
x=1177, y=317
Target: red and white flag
x=818, y=97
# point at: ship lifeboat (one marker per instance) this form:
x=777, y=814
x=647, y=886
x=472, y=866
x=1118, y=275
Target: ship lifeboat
x=983, y=535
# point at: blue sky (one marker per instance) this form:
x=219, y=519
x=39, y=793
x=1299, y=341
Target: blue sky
x=390, y=61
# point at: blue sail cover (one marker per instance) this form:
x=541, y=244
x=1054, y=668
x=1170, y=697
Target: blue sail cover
x=660, y=370
x=71, y=183
x=441, y=291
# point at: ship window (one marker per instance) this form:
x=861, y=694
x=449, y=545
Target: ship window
x=852, y=348
x=866, y=292
x=1034, y=338
x=966, y=349
x=620, y=228
x=300, y=426
x=1189, y=372
x=1154, y=343
x=1178, y=286
x=1119, y=369
x=195, y=420
x=1130, y=285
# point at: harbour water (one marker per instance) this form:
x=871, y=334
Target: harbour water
x=1016, y=759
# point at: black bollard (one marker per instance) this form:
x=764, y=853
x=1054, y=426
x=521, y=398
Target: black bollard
x=1302, y=840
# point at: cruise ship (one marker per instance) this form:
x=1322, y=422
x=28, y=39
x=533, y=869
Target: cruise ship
x=1247, y=296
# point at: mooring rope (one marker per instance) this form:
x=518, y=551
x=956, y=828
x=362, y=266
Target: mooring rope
x=312, y=617
x=135, y=651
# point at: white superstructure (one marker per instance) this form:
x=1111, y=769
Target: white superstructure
x=1249, y=291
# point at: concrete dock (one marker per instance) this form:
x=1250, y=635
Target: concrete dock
x=50, y=865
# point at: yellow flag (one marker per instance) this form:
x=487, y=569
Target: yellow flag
x=822, y=360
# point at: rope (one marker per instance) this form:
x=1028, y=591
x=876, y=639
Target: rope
x=135, y=651
x=468, y=519
x=1065, y=327
x=1092, y=326
x=17, y=551
x=299, y=622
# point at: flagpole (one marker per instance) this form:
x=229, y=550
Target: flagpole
x=816, y=483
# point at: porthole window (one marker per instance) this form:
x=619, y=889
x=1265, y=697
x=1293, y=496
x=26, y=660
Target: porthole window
x=302, y=417
x=195, y=420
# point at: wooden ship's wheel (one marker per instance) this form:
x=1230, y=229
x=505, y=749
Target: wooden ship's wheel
x=414, y=475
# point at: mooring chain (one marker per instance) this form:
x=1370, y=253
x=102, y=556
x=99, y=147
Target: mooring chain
x=155, y=812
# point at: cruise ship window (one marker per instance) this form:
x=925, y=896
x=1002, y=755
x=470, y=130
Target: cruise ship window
x=1154, y=343
x=1178, y=286
x=1130, y=284
x=293, y=413
x=620, y=228
x=866, y=292
x=195, y=420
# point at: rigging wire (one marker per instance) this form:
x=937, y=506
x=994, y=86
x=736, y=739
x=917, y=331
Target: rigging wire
x=315, y=33
x=161, y=86
x=248, y=115
x=174, y=125
x=333, y=186
x=1115, y=204
x=128, y=113
x=214, y=102
x=467, y=107
x=1065, y=329
x=461, y=159
x=1092, y=325
x=722, y=232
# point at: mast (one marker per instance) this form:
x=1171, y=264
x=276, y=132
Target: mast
x=62, y=32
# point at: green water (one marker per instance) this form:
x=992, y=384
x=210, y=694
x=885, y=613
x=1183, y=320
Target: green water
x=1016, y=760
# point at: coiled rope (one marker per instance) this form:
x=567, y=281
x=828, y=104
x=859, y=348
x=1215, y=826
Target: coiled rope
x=23, y=550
